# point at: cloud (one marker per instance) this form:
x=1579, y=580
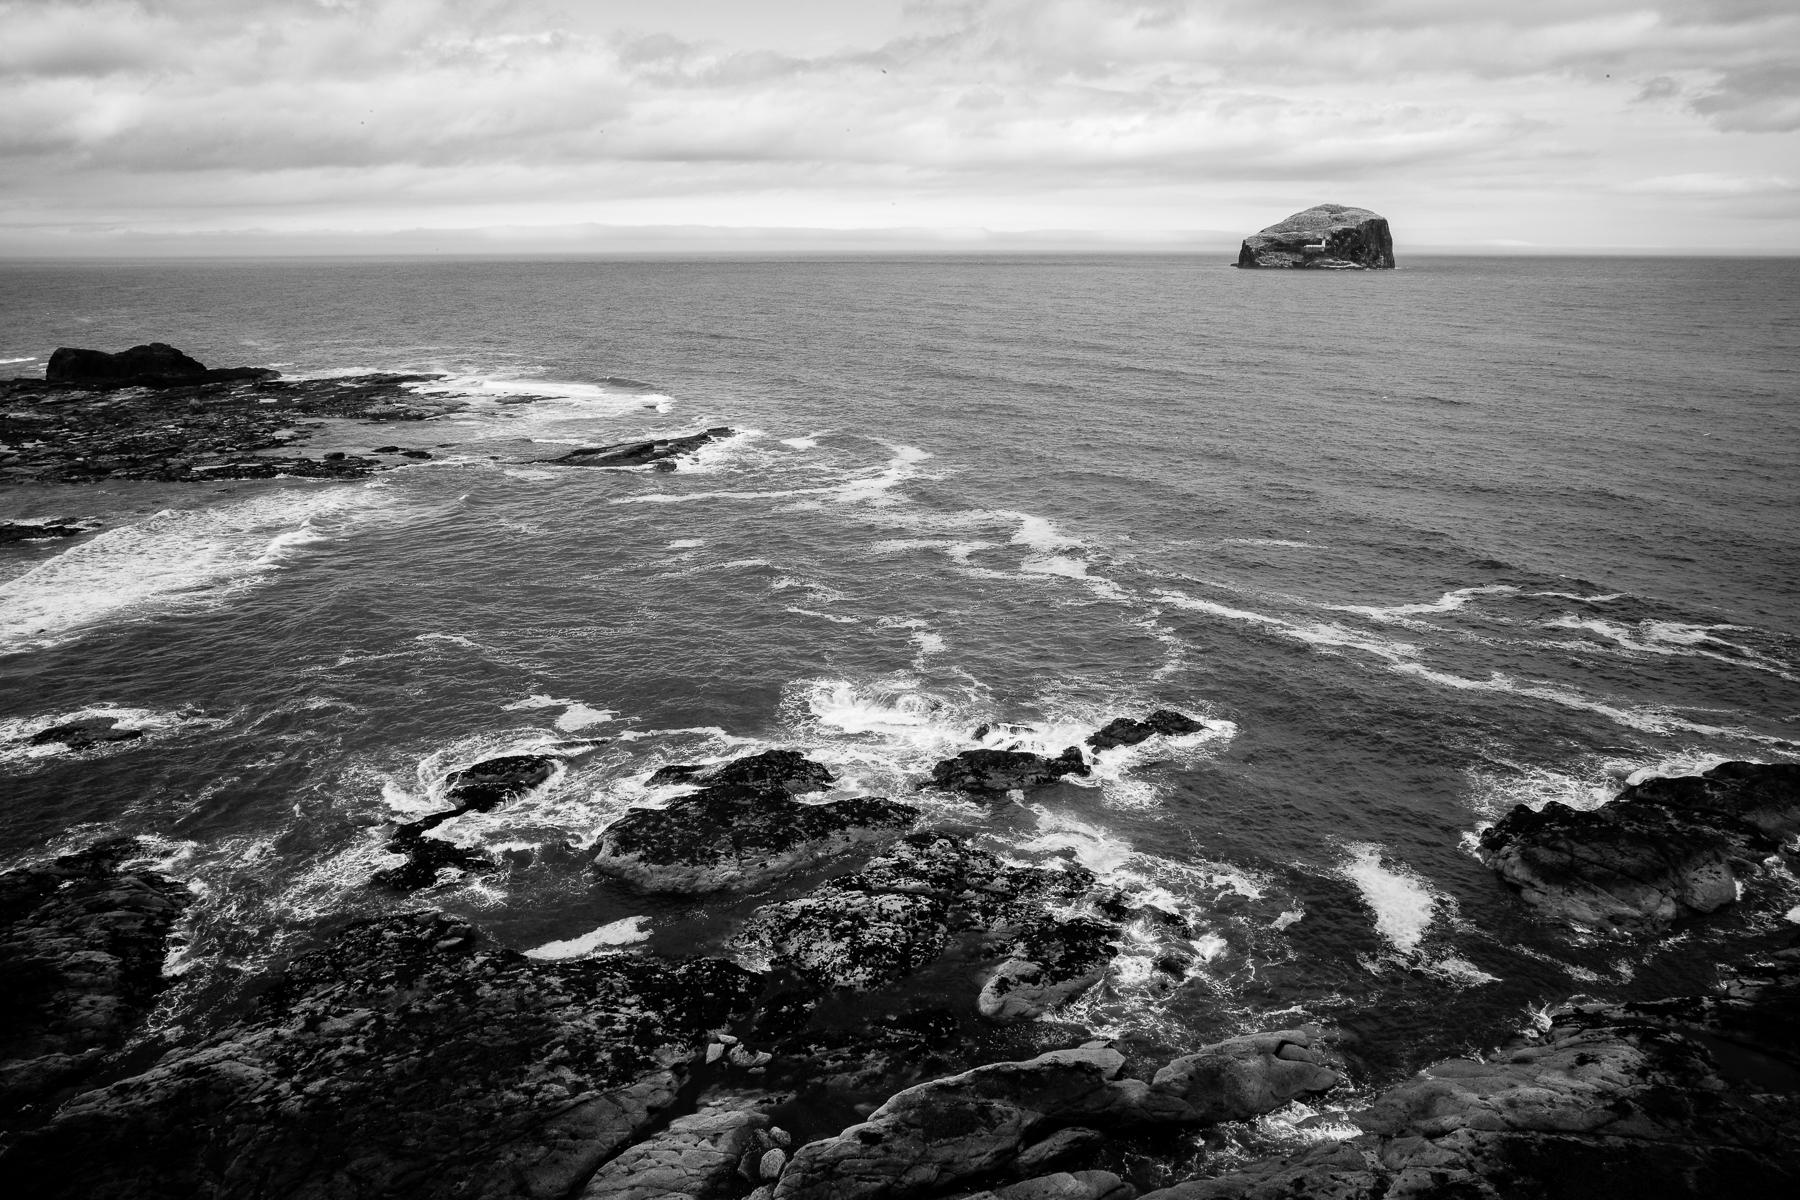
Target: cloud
x=964, y=111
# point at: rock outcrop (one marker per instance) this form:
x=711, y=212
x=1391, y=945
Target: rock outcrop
x=480, y=787
x=1680, y=1098
x=995, y=772
x=405, y=1057
x=1665, y=849
x=1326, y=237
x=85, y=732
x=1124, y=731
x=82, y=943
x=929, y=1138
x=36, y=531
x=156, y=364
x=654, y=452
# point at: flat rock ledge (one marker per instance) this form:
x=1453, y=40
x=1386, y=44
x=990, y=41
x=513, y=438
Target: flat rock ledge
x=1663, y=850
x=1326, y=237
x=655, y=452
x=996, y=772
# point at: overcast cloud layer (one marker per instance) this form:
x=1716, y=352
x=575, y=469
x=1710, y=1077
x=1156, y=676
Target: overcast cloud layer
x=195, y=125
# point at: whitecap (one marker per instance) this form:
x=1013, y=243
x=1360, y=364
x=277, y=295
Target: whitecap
x=173, y=560
x=1403, y=904
x=1448, y=602
x=1272, y=542
x=623, y=932
x=823, y=616
x=801, y=443
x=685, y=544
x=1042, y=534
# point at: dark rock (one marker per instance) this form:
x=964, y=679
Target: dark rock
x=85, y=732
x=497, y=780
x=1053, y=960
x=415, y=454
x=1665, y=849
x=335, y=456
x=1325, y=237
x=1123, y=731
x=405, y=1057
x=732, y=835
x=82, y=944
x=996, y=771
x=786, y=771
x=1671, y=1099
x=425, y=857
x=385, y=450
x=31, y=531
x=637, y=454
x=157, y=360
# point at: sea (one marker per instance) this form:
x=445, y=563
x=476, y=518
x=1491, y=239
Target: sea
x=1415, y=546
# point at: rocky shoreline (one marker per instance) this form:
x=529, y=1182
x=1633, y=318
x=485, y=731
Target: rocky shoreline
x=410, y=1055
x=154, y=413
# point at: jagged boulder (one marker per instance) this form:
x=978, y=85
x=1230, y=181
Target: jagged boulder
x=993, y=772
x=786, y=771
x=1053, y=960
x=653, y=452
x=1663, y=850
x=494, y=781
x=1326, y=237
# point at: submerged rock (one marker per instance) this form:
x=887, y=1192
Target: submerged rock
x=1124, y=731
x=84, y=732
x=477, y=788
x=1665, y=849
x=82, y=945
x=994, y=772
x=1667, y=1099
x=637, y=454
x=405, y=1057
x=1327, y=237
x=34, y=531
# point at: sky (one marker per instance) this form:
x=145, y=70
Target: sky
x=557, y=126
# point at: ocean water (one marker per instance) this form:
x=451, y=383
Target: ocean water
x=1416, y=545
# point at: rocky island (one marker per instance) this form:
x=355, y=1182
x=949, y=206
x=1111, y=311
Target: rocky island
x=1326, y=237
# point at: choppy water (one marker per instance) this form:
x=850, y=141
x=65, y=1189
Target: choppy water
x=1417, y=545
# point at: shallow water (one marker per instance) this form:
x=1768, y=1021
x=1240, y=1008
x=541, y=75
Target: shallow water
x=1418, y=546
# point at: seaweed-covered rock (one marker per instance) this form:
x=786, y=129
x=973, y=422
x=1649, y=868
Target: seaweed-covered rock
x=1124, y=731
x=1326, y=237
x=992, y=772
x=868, y=929
x=730, y=835
x=1665, y=849
x=637, y=454
x=82, y=945
x=403, y=1057
x=1681, y=1098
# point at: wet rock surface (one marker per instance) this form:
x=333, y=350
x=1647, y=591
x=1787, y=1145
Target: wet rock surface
x=88, y=420
x=480, y=787
x=734, y=836
x=404, y=1057
x=786, y=771
x=652, y=451
x=995, y=772
x=82, y=942
x=36, y=531
x=1125, y=731
x=84, y=732
x=1326, y=237
x=1679, y=1098
x=1663, y=850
